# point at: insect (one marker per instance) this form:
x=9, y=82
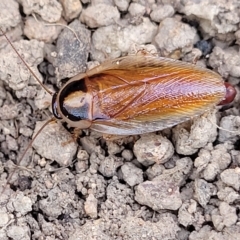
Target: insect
x=138, y=94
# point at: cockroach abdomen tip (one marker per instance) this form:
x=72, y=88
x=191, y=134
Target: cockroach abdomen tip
x=230, y=94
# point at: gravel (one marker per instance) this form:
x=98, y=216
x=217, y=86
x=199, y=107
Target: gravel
x=181, y=183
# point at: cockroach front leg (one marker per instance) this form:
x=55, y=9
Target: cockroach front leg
x=75, y=135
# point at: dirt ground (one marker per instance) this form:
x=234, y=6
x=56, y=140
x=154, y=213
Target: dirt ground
x=180, y=183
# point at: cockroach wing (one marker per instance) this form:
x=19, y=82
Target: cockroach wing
x=141, y=94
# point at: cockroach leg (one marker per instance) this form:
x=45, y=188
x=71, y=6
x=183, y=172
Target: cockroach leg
x=75, y=135
x=24, y=153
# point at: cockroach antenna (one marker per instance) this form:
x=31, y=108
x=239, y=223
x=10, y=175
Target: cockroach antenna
x=31, y=71
x=51, y=120
x=24, y=153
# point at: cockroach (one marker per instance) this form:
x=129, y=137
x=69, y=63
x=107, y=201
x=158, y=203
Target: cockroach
x=138, y=94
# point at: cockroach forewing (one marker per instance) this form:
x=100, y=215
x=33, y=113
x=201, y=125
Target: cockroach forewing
x=144, y=94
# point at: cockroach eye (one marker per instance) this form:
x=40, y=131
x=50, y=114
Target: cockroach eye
x=54, y=106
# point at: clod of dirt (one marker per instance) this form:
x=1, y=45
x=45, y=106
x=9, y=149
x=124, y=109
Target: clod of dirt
x=159, y=195
x=108, y=167
x=224, y=216
x=100, y=15
x=131, y=174
x=71, y=9
x=231, y=177
x=9, y=14
x=111, y=42
x=151, y=148
x=63, y=147
x=161, y=12
x=90, y=206
x=189, y=214
x=12, y=70
x=49, y=10
x=188, y=139
x=174, y=35
x=45, y=32
x=122, y=5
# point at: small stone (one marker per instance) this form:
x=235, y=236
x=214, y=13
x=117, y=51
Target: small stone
x=122, y=4
x=9, y=111
x=232, y=126
x=10, y=14
x=206, y=232
x=113, y=148
x=50, y=11
x=99, y=15
x=104, y=41
x=225, y=216
x=89, y=144
x=52, y=205
x=43, y=99
x=178, y=174
x=71, y=8
x=158, y=195
x=127, y=155
x=131, y=174
x=11, y=143
x=72, y=51
x=161, y=12
x=189, y=215
x=18, y=232
x=152, y=148
x=81, y=166
x=109, y=165
x=154, y=171
x=55, y=143
x=211, y=162
x=188, y=139
x=4, y=219
x=13, y=73
x=228, y=195
x=46, y=33
x=203, y=191
x=22, y=204
x=82, y=155
x=136, y=9
x=174, y=36
x=90, y=206
x=231, y=177
x=229, y=64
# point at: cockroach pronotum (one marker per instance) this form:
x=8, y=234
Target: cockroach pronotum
x=138, y=94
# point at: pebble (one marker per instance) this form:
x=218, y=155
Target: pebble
x=55, y=143
x=90, y=206
x=152, y=148
x=131, y=174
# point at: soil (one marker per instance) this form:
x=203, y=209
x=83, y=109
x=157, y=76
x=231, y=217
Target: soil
x=179, y=183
